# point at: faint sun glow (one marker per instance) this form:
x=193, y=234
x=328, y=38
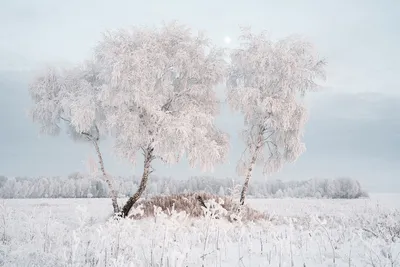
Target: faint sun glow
x=227, y=40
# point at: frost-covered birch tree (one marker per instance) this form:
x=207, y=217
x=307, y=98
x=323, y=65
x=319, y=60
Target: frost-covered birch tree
x=266, y=83
x=69, y=97
x=159, y=97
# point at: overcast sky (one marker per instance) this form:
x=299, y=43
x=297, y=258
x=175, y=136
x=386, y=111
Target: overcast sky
x=354, y=126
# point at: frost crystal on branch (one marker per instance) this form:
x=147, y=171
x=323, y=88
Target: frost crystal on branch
x=266, y=82
x=69, y=97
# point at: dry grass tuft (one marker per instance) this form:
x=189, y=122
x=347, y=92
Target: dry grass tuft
x=194, y=204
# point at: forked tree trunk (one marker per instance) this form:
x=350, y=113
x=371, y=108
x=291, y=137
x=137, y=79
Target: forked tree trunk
x=113, y=193
x=246, y=182
x=148, y=157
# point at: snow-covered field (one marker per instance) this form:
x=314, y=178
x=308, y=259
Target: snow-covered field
x=299, y=232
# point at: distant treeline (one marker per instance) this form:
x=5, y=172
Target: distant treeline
x=78, y=185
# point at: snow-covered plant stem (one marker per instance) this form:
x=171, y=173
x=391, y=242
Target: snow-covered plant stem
x=322, y=225
x=4, y=221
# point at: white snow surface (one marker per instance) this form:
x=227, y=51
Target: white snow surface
x=299, y=232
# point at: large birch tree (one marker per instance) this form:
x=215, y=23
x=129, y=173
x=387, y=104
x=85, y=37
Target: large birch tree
x=159, y=97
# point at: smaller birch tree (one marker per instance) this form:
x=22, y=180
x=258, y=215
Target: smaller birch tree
x=266, y=82
x=159, y=97
x=69, y=97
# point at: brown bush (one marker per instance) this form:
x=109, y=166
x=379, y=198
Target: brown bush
x=192, y=204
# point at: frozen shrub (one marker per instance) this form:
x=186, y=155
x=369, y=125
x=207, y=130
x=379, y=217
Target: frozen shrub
x=194, y=204
x=385, y=226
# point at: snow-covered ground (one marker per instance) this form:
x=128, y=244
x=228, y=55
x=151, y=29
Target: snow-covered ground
x=299, y=232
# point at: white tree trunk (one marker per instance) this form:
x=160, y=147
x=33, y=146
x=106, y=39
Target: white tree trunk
x=250, y=170
x=246, y=182
x=143, y=183
x=113, y=193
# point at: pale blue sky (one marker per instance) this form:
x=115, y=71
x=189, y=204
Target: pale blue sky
x=354, y=128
